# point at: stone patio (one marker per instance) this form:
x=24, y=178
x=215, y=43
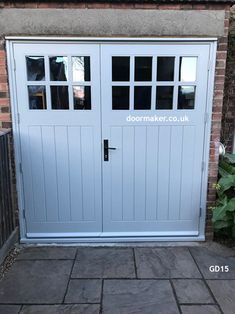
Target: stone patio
x=120, y=280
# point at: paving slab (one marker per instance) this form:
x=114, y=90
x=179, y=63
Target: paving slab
x=84, y=291
x=219, y=249
x=61, y=309
x=45, y=252
x=174, y=262
x=200, y=309
x=104, y=263
x=9, y=309
x=40, y=282
x=206, y=258
x=224, y=292
x=138, y=297
x=192, y=291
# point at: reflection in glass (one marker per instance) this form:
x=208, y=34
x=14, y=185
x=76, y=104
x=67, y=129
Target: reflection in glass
x=120, y=97
x=165, y=68
x=35, y=68
x=58, y=68
x=81, y=69
x=164, y=97
x=186, y=97
x=82, y=97
x=188, y=68
x=37, y=97
x=143, y=69
x=59, y=97
x=120, y=69
x=142, y=97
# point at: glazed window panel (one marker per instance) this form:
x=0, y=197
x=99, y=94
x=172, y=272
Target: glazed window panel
x=37, y=97
x=59, y=97
x=81, y=69
x=35, y=68
x=142, y=97
x=120, y=69
x=186, y=97
x=120, y=97
x=82, y=97
x=188, y=69
x=143, y=69
x=58, y=68
x=165, y=68
x=164, y=97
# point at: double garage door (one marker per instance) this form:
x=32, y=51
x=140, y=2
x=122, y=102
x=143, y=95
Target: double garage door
x=111, y=137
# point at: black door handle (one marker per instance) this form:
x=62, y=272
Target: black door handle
x=106, y=150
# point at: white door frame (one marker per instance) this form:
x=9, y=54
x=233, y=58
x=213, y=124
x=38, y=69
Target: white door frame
x=10, y=41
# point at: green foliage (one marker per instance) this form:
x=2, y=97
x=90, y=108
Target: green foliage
x=224, y=211
x=230, y=158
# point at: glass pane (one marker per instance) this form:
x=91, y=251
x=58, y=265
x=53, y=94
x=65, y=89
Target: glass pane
x=58, y=68
x=165, y=68
x=186, y=97
x=81, y=69
x=120, y=69
x=82, y=97
x=35, y=68
x=120, y=97
x=143, y=69
x=188, y=69
x=59, y=97
x=164, y=97
x=37, y=97
x=142, y=98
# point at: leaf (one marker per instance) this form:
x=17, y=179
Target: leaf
x=230, y=157
x=220, y=224
x=227, y=166
x=231, y=205
x=226, y=183
x=223, y=172
x=219, y=213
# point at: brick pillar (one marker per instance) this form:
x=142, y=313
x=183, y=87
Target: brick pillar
x=216, y=123
x=228, y=121
x=5, y=119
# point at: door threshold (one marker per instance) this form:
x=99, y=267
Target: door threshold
x=183, y=240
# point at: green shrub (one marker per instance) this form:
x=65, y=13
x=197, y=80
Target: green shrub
x=224, y=211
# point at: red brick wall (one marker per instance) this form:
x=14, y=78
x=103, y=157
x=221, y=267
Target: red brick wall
x=5, y=118
x=228, y=119
x=216, y=127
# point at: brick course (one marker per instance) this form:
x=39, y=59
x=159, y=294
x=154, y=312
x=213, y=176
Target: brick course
x=5, y=117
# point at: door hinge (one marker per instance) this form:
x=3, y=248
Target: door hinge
x=18, y=118
x=206, y=117
x=14, y=64
x=203, y=165
x=200, y=212
x=20, y=167
x=209, y=65
x=24, y=213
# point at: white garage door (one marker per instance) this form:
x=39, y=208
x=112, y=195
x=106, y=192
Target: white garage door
x=111, y=137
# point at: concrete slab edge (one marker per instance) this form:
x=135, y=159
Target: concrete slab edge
x=14, y=238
